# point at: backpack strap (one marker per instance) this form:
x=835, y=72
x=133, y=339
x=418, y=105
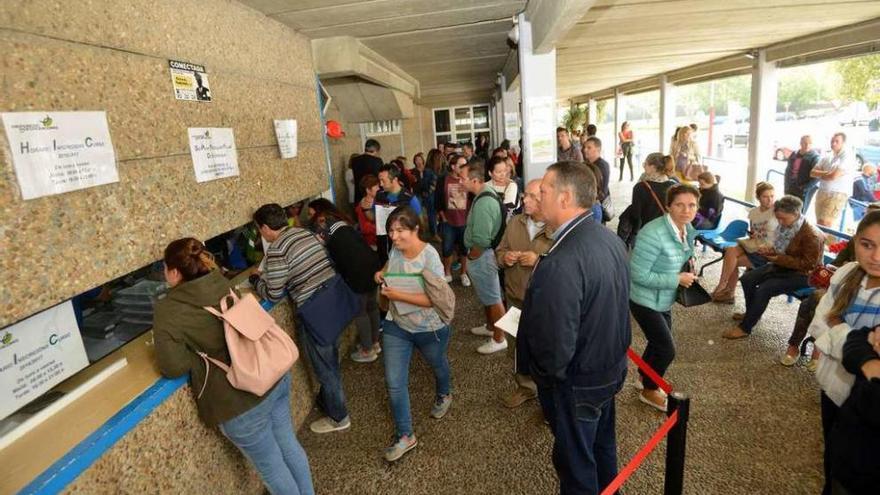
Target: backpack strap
x=208, y=359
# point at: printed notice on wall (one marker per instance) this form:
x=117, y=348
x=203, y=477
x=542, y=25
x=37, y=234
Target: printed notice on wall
x=58, y=152
x=190, y=81
x=38, y=353
x=285, y=131
x=542, y=130
x=213, y=153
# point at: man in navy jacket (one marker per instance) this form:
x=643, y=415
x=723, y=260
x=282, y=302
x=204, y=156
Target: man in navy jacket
x=574, y=331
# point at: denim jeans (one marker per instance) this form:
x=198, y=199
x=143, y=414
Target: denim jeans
x=584, y=442
x=266, y=437
x=325, y=364
x=367, y=321
x=397, y=345
x=762, y=284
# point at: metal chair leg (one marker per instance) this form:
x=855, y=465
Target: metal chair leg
x=710, y=263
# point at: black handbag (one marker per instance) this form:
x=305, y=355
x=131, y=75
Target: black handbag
x=694, y=295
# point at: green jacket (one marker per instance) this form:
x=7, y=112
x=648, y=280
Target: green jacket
x=656, y=262
x=483, y=221
x=180, y=328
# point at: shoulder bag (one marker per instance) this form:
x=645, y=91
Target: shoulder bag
x=694, y=295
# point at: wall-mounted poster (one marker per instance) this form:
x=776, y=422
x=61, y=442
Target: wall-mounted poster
x=58, y=152
x=285, y=131
x=190, y=81
x=38, y=353
x=213, y=153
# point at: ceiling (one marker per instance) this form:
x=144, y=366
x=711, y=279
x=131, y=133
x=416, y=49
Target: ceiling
x=455, y=48
x=619, y=41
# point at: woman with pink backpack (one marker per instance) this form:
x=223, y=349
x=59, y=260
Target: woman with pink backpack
x=260, y=426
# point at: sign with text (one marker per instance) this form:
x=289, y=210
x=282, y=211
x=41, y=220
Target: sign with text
x=190, y=81
x=285, y=131
x=59, y=152
x=38, y=353
x=213, y=153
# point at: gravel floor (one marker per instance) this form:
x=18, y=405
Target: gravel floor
x=754, y=425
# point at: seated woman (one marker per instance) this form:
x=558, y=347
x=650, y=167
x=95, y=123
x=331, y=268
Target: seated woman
x=711, y=202
x=797, y=249
x=851, y=302
x=356, y=262
x=762, y=229
x=261, y=427
x=413, y=325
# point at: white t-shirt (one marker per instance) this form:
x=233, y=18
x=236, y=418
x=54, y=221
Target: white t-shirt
x=842, y=184
x=763, y=224
x=426, y=319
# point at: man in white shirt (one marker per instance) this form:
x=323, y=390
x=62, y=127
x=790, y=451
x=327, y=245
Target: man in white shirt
x=835, y=174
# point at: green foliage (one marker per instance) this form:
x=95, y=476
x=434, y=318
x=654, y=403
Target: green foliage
x=801, y=88
x=699, y=97
x=574, y=118
x=860, y=79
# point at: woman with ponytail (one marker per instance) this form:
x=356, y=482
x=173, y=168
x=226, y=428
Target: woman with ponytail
x=852, y=302
x=261, y=427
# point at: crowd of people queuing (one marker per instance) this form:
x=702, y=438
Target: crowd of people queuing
x=540, y=247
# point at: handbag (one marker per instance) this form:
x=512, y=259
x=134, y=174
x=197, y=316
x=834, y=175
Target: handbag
x=329, y=310
x=694, y=295
x=820, y=277
x=607, y=209
x=260, y=351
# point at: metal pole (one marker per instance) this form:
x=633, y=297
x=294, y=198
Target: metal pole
x=676, y=441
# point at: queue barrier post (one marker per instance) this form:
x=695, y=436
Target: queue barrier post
x=676, y=442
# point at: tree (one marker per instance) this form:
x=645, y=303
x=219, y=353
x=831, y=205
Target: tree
x=860, y=79
x=574, y=118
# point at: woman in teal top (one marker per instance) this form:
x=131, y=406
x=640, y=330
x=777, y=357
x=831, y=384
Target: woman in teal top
x=663, y=246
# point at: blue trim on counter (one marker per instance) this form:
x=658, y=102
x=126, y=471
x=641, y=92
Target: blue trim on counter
x=57, y=476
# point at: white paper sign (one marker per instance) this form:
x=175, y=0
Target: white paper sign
x=382, y=214
x=58, y=152
x=38, y=353
x=285, y=131
x=542, y=130
x=213, y=153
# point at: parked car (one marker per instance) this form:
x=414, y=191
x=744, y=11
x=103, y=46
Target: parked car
x=870, y=151
x=854, y=114
x=740, y=137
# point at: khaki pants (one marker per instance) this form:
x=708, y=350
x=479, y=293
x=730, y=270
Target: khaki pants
x=524, y=381
x=829, y=206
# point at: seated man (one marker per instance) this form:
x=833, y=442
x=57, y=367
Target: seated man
x=797, y=249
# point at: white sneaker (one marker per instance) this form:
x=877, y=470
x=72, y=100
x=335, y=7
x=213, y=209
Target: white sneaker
x=481, y=331
x=448, y=279
x=465, y=280
x=491, y=346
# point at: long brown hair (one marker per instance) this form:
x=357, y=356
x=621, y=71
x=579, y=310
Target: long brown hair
x=435, y=161
x=190, y=257
x=850, y=285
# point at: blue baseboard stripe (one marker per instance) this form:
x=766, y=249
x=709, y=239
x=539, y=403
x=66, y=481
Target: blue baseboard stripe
x=57, y=476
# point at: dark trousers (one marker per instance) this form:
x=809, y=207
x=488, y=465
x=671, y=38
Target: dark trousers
x=762, y=284
x=830, y=412
x=660, y=351
x=628, y=157
x=806, y=311
x=584, y=442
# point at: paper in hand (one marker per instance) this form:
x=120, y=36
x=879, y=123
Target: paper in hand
x=510, y=321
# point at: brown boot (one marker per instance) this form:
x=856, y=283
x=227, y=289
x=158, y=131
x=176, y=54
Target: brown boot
x=723, y=296
x=734, y=333
x=518, y=397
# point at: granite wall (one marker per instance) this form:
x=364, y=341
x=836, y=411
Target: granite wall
x=113, y=56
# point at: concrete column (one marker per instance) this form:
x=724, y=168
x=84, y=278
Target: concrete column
x=591, y=111
x=762, y=114
x=537, y=74
x=611, y=153
x=510, y=117
x=667, y=113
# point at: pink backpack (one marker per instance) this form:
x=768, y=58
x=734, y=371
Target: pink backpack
x=261, y=351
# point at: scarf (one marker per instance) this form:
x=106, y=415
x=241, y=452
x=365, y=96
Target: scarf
x=784, y=235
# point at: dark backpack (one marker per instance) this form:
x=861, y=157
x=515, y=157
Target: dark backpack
x=497, y=240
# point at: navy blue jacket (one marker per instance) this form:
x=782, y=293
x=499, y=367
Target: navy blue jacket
x=575, y=325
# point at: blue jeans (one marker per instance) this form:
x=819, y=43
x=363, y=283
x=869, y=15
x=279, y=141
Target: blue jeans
x=265, y=435
x=398, y=344
x=762, y=284
x=325, y=364
x=584, y=442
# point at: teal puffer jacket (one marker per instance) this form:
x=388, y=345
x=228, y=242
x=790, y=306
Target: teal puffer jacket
x=656, y=262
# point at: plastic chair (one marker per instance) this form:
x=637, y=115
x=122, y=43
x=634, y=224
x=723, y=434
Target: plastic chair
x=858, y=210
x=710, y=233
x=723, y=240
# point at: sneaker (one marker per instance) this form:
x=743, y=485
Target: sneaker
x=657, y=401
x=403, y=445
x=441, y=406
x=787, y=360
x=377, y=348
x=465, y=280
x=448, y=279
x=362, y=356
x=813, y=365
x=456, y=266
x=491, y=346
x=641, y=386
x=481, y=331
x=326, y=425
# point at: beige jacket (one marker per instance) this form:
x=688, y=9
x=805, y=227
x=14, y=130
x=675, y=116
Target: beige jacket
x=516, y=238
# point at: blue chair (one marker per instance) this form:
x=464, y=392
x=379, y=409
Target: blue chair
x=858, y=210
x=723, y=240
x=710, y=233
